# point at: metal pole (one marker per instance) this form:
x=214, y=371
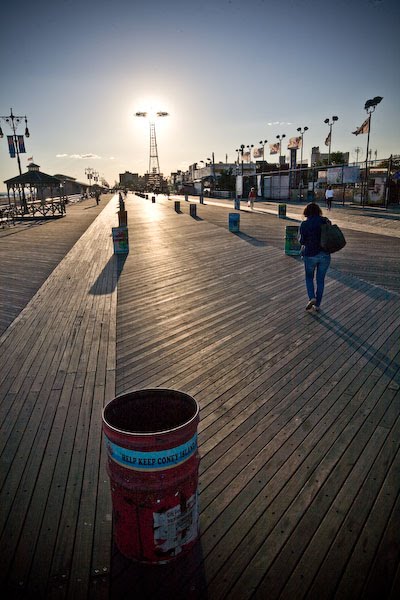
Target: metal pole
x=301, y=166
x=330, y=142
x=387, y=190
x=365, y=196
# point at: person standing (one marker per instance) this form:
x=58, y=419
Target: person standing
x=316, y=260
x=97, y=196
x=251, y=198
x=329, y=197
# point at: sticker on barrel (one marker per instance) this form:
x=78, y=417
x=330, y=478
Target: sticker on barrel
x=176, y=527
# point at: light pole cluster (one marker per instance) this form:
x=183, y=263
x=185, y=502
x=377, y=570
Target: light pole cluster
x=263, y=146
x=301, y=132
x=16, y=144
x=328, y=141
x=91, y=174
x=369, y=107
x=212, y=162
x=240, y=151
x=280, y=138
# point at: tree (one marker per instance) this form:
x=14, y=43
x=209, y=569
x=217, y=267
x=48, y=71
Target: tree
x=226, y=181
x=336, y=158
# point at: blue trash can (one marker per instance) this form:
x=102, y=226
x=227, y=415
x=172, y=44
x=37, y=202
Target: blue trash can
x=234, y=222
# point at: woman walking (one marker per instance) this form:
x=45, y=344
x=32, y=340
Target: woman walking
x=316, y=260
x=251, y=198
x=329, y=197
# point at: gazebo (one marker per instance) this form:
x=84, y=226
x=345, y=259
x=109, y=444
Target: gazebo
x=35, y=194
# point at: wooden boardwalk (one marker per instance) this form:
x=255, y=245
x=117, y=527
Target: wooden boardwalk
x=30, y=250
x=299, y=430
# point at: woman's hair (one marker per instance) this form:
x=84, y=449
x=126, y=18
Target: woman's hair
x=312, y=210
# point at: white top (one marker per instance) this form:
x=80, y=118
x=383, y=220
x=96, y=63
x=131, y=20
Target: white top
x=329, y=194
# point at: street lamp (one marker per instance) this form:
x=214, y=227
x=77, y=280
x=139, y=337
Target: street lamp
x=263, y=144
x=242, y=150
x=250, y=147
x=328, y=141
x=212, y=160
x=302, y=132
x=280, y=138
x=16, y=144
x=90, y=174
x=369, y=107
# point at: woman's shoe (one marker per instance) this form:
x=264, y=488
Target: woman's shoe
x=311, y=304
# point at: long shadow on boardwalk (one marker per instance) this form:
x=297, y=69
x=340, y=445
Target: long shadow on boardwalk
x=106, y=283
x=373, y=355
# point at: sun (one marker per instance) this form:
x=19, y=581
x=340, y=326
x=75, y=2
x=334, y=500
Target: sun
x=151, y=105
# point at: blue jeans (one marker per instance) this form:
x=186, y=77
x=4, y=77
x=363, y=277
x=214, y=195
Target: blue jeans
x=319, y=264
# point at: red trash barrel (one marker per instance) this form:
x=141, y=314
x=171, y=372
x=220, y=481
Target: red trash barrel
x=153, y=462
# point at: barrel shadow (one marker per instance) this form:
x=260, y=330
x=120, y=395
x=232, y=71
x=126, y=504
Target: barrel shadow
x=181, y=579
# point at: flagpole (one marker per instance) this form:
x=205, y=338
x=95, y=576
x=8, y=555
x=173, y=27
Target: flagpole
x=369, y=107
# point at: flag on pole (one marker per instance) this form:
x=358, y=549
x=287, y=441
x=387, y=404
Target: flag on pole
x=11, y=146
x=294, y=143
x=257, y=152
x=364, y=128
x=328, y=139
x=21, y=144
x=274, y=148
x=246, y=156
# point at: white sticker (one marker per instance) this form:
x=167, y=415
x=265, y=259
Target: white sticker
x=174, y=528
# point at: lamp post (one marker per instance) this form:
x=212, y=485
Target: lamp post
x=280, y=138
x=250, y=146
x=212, y=160
x=263, y=145
x=357, y=150
x=369, y=107
x=90, y=174
x=329, y=138
x=15, y=145
x=242, y=150
x=14, y=121
x=302, y=132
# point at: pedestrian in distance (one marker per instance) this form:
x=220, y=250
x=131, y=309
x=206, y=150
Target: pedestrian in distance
x=97, y=196
x=316, y=260
x=329, y=197
x=251, y=198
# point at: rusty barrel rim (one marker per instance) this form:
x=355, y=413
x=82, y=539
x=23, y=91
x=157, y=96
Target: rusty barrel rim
x=152, y=392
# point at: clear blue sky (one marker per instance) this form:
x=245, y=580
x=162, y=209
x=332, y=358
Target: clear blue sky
x=228, y=72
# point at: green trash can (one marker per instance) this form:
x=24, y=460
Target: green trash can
x=292, y=244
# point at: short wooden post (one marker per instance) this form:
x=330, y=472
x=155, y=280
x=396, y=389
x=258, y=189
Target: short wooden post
x=177, y=206
x=193, y=210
